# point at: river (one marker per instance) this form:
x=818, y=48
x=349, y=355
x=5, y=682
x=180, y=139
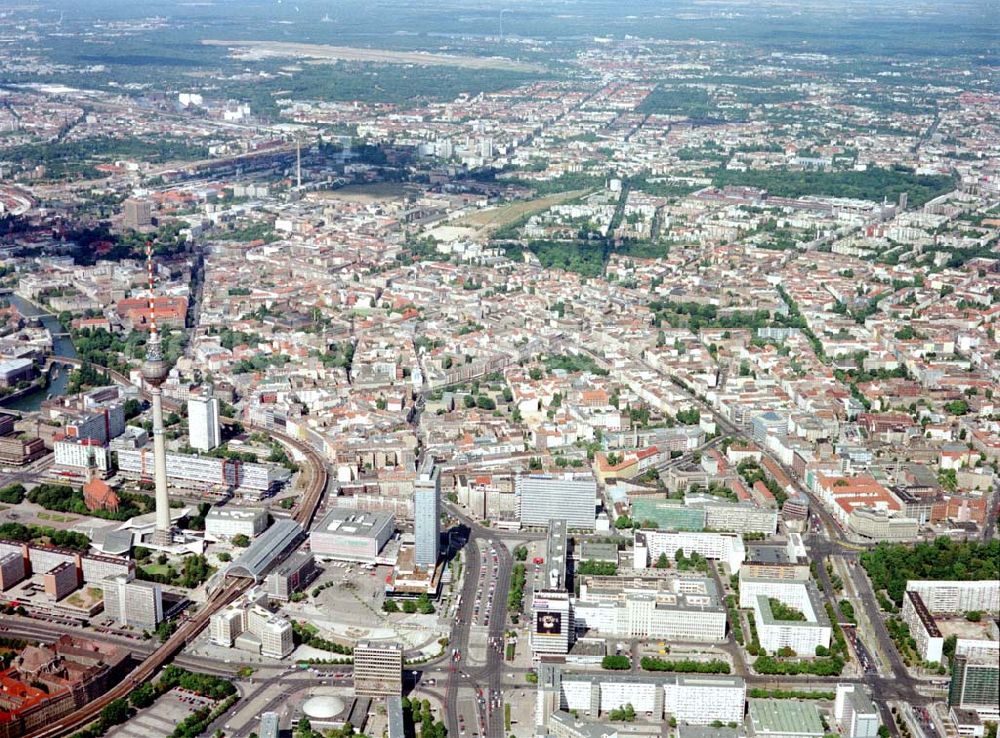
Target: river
x=61, y=346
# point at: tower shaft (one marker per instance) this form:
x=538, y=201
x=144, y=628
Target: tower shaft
x=162, y=533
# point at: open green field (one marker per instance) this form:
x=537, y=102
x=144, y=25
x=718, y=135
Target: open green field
x=493, y=218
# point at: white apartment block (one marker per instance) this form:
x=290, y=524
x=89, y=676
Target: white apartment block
x=226, y=522
x=133, y=603
x=200, y=472
x=204, y=430
x=81, y=453
x=945, y=597
x=704, y=699
x=802, y=636
x=696, y=700
x=725, y=547
x=273, y=631
x=925, y=632
x=978, y=649
x=226, y=625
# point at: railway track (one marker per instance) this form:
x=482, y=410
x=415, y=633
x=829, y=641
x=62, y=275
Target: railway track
x=233, y=587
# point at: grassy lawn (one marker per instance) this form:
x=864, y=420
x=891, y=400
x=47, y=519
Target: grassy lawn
x=494, y=218
x=154, y=569
x=55, y=517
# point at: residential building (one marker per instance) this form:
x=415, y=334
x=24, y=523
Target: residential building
x=698, y=700
x=949, y=597
x=79, y=455
x=203, y=423
x=924, y=630
x=133, y=603
x=855, y=712
x=202, y=472
x=802, y=636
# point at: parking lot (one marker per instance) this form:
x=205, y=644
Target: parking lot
x=162, y=716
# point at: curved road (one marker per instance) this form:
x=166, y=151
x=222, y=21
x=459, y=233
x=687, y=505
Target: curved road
x=317, y=478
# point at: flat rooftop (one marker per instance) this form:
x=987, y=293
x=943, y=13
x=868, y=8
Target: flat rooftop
x=348, y=522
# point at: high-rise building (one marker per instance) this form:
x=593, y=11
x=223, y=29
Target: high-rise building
x=133, y=603
x=857, y=715
x=974, y=686
x=203, y=423
x=138, y=213
x=551, y=607
x=427, y=515
x=154, y=372
x=541, y=498
x=378, y=669
x=273, y=631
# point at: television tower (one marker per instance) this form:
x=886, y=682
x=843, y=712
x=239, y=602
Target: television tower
x=154, y=371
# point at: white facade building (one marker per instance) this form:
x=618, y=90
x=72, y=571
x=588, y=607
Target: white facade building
x=725, y=547
x=226, y=522
x=133, y=603
x=946, y=597
x=204, y=430
x=80, y=454
x=802, y=636
x=675, y=609
x=350, y=535
x=540, y=498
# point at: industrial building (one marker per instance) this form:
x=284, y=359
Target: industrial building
x=350, y=535
x=540, y=498
x=769, y=718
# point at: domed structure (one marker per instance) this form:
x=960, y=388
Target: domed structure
x=323, y=707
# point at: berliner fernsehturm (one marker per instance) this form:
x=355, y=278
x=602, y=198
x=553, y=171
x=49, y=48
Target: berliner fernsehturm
x=154, y=372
